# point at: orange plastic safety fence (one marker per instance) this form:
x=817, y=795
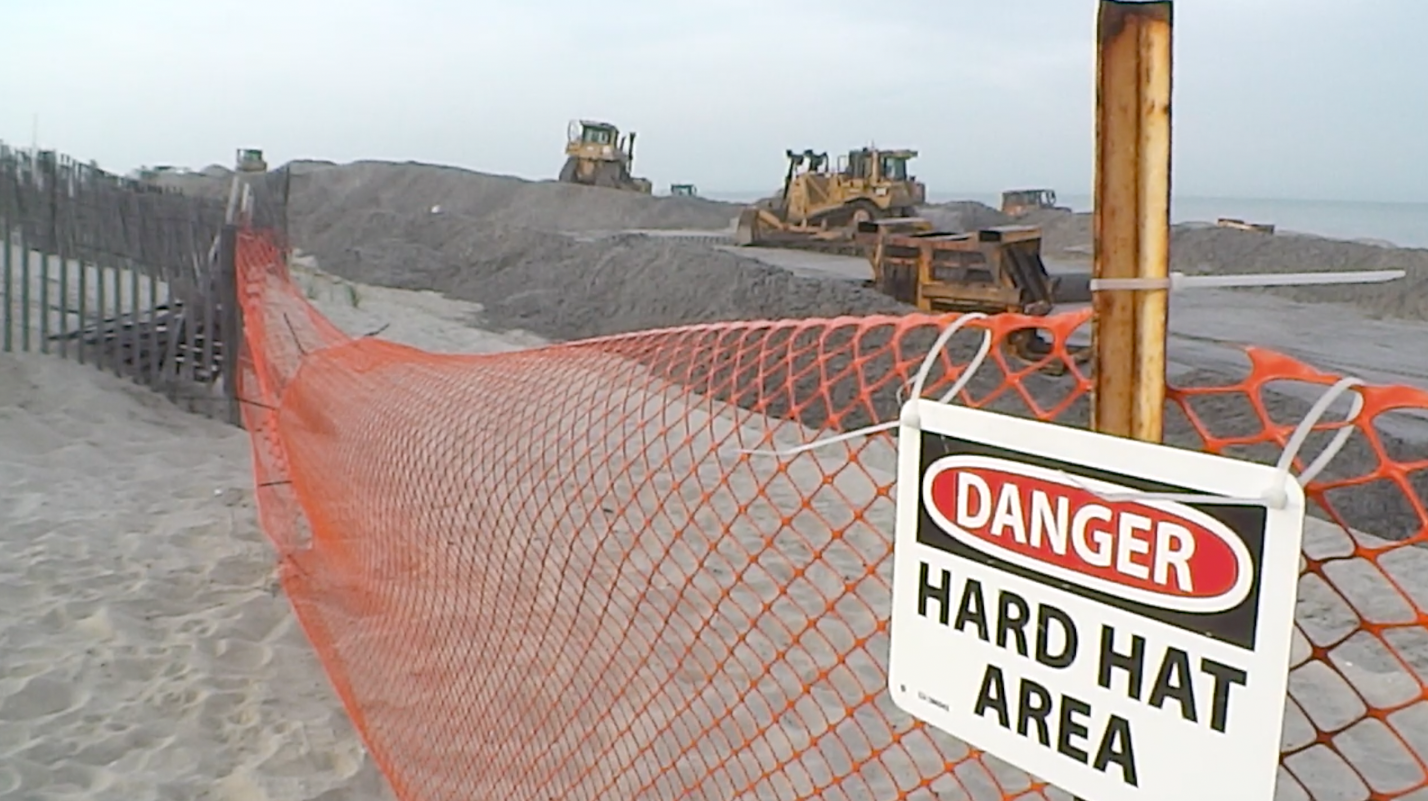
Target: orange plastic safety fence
x=554, y=574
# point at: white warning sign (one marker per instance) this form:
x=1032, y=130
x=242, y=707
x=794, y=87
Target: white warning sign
x=1119, y=646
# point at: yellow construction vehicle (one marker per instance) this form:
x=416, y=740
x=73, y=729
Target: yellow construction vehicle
x=992, y=270
x=1240, y=225
x=819, y=208
x=1017, y=202
x=250, y=160
x=598, y=155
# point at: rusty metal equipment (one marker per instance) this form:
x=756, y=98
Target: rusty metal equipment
x=597, y=154
x=819, y=207
x=993, y=270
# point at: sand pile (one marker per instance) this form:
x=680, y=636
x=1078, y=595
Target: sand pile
x=493, y=241
x=563, y=288
x=1200, y=248
x=1063, y=234
x=963, y=215
x=372, y=206
x=358, y=216
x=1208, y=249
x=342, y=203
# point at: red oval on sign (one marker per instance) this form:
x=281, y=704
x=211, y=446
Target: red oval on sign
x=1165, y=551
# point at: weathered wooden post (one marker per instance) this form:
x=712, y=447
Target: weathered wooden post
x=9, y=186
x=1132, y=216
x=230, y=325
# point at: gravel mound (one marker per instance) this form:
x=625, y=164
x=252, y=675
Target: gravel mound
x=495, y=240
x=1063, y=234
x=341, y=203
x=1202, y=249
x=961, y=216
x=371, y=206
x=1210, y=249
x=562, y=288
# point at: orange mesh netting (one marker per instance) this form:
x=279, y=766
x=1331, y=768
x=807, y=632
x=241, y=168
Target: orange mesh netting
x=551, y=574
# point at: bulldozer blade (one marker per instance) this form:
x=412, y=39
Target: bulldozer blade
x=832, y=247
x=746, y=232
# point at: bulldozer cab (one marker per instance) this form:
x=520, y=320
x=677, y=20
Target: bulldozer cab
x=597, y=154
x=592, y=133
x=251, y=160
x=877, y=166
x=893, y=167
x=1020, y=201
x=683, y=190
x=589, y=139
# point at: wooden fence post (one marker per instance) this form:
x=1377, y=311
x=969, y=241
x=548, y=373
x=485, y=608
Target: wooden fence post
x=231, y=324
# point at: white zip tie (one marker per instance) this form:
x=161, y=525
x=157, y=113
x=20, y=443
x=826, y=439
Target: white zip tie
x=1274, y=497
x=1179, y=281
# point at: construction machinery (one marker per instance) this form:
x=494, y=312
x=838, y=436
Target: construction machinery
x=683, y=190
x=1240, y=225
x=1017, y=202
x=597, y=154
x=250, y=160
x=992, y=270
x=819, y=208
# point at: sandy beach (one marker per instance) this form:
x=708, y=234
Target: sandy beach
x=147, y=651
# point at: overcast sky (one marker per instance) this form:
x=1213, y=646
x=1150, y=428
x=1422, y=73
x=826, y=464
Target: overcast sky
x=1314, y=99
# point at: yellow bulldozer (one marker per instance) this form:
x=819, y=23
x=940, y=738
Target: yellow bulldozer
x=820, y=208
x=250, y=160
x=596, y=154
x=1016, y=202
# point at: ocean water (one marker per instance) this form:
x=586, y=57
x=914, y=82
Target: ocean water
x=1401, y=224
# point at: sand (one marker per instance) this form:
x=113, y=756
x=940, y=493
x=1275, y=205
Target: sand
x=369, y=223
x=375, y=210
x=1202, y=248
x=703, y=487
x=362, y=197
x=146, y=650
